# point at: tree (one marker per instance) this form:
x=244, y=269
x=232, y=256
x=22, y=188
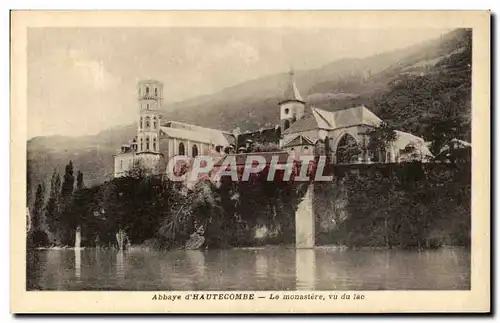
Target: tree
x=79, y=180
x=138, y=171
x=52, y=206
x=446, y=125
x=29, y=173
x=379, y=139
x=348, y=150
x=68, y=183
x=37, y=213
x=264, y=147
x=65, y=220
x=36, y=236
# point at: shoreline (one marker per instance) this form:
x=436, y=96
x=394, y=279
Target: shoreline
x=266, y=247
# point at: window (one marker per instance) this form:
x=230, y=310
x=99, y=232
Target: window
x=147, y=123
x=141, y=145
x=147, y=143
x=195, y=151
x=287, y=111
x=121, y=164
x=181, y=149
x=306, y=148
x=156, y=92
x=140, y=124
x=147, y=90
x=388, y=157
x=154, y=144
x=154, y=122
x=348, y=150
x=286, y=125
x=147, y=106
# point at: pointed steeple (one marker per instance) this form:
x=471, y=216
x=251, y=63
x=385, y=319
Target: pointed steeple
x=292, y=93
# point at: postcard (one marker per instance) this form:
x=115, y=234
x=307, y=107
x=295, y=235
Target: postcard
x=250, y=161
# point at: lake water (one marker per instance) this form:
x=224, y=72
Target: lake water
x=273, y=268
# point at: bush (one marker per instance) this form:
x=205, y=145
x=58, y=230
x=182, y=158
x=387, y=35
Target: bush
x=37, y=239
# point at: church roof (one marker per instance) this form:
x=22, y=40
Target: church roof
x=322, y=119
x=197, y=133
x=346, y=117
x=300, y=140
x=304, y=124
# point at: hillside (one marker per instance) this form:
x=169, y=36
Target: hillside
x=411, y=88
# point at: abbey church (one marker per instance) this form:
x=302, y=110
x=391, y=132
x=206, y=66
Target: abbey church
x=300, y=129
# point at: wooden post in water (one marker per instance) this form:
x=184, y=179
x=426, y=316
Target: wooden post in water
x=305, y=221
x=120, y=239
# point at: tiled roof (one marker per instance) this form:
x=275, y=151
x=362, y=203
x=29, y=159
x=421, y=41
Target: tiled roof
x=300, y=140
x=197, y=133
x=347, y=117
x=304, y=124
x=322, y=119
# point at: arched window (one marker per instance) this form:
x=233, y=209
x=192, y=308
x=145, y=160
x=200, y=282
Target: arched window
x=347, y=150
x=154, y=144
x=147, y=106
x=286, y=125
x=154, y=122
x=156, y=91
x=181, y=149
x=140, y=124
x=287, y=111
x=147, y=123
x=142, y=145
x=147, y=90
x=195, y=151
x=147, y=143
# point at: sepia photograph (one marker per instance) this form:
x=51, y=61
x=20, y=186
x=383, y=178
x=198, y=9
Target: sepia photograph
x=215, y=162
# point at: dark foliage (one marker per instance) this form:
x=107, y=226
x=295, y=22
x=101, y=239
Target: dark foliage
x=408, y=206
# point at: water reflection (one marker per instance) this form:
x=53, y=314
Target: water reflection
x=248, y=269
x=78, y=263
x=305, y=269
x=197, y=260
x=261, y=265
x=120, y=267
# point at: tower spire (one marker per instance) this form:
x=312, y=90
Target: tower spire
x=292, y=93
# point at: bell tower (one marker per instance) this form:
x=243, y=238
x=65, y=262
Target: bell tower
x=150, y=94
x=292, y=106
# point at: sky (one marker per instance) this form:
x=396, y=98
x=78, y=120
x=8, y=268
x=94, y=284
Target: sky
x=83, y=80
